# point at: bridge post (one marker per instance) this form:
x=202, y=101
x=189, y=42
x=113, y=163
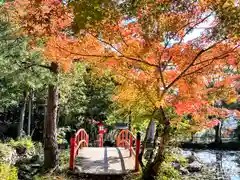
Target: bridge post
x=117, y=141
x=87, y=140
x=72, y=150
x=138, y=141
x=130, y=146
x=100, y=140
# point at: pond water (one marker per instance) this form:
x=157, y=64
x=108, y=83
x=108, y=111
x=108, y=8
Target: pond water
x=224, y=161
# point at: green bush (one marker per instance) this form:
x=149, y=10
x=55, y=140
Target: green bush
x=25, y=142
x=61, y=134
x=167, y=170
x=64, y=159
x=8, y=172
x=5, y=153
x=38, y=148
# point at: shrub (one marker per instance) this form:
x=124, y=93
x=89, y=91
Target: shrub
x=167, y=170
x=38, y=147
x=24, y=142
x=6, y=153
x=61, y=134
x=7, y=172
x=64, y=159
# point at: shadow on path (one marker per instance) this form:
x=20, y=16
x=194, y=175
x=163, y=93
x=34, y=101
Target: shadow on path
x=121, y=159
x=105, y=160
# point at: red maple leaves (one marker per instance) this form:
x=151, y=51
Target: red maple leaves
x=189, y=106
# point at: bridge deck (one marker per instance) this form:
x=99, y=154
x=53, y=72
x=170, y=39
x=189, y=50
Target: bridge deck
x=106, y=160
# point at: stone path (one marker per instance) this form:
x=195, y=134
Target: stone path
x=104, y=161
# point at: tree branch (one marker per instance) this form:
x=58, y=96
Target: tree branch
x=198, y=70
x=187, y=68
x=110, y=56
x=161, y=77
x=34, y=64
x=190, y=29
x=193, y=27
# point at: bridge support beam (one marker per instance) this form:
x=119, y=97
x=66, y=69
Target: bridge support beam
x=72, y=149
x=138, y=142
x=100, y=140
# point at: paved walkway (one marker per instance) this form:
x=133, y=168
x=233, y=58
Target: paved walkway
x=106, y=160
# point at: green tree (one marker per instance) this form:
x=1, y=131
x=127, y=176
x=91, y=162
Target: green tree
x=21, y=70
x=84, y=96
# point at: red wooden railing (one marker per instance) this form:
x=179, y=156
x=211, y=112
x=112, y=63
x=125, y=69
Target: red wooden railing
x=79, y=140
x=125, y=139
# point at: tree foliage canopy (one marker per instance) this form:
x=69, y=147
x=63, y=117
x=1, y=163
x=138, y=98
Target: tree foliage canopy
x=147, y=45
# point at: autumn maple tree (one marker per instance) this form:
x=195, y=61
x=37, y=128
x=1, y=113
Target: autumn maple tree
x=151, y=52
x=153, y=48
x=157, y=63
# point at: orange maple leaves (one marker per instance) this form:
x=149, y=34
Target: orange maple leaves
x=40, y=18
x=189, y=106
x=154, y=60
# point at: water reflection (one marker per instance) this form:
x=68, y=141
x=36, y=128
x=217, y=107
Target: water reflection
x=225, y=163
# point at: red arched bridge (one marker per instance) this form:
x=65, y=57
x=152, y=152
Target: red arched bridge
x=105, y=160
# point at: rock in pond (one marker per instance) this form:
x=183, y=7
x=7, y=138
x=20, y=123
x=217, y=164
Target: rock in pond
x=194, y=166
x=184, y=171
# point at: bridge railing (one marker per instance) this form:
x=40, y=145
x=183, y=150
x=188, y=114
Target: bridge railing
x=80, y=139
x=126, y=139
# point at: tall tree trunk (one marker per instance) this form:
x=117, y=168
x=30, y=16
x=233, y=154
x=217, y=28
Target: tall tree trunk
x=22, y=114
x=218, y=139
x=192, y=137
x=220, y=133
x=29, y=112
x=51, y=159
x=58, y=115
x=153, y=167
